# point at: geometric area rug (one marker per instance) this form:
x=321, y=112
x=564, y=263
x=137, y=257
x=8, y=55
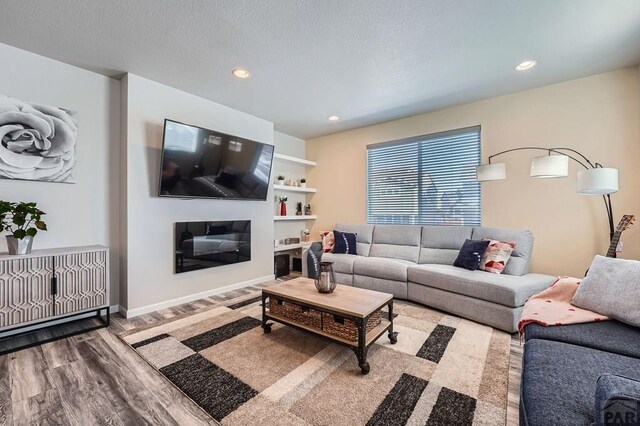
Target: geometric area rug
x=444, y=370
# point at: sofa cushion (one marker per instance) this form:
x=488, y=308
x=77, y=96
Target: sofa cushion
x=521, y=257
x=502, y=289
x=612, y=288
x=364, y=236
x=380, y=267
x=471, y=254
x=559, y=381
x=344, y=242
x=496, y=256
x=611, y=336
x=345, y=279
x=397, y=288
x=328, y=241
x=440, y=244
x=397, y=242
x=341, y=262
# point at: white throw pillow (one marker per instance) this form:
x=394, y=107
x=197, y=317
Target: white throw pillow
x=611, y=288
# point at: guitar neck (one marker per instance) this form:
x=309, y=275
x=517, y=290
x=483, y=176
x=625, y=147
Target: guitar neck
x=614, y=244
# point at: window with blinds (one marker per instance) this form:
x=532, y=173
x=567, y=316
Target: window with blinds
x=426, y=180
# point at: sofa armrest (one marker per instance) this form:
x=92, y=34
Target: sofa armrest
x=617, y=400
x=311, y=260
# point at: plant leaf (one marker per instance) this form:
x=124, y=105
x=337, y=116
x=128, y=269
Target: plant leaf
x=20, y=233
x=32, y=232
x=41, y=225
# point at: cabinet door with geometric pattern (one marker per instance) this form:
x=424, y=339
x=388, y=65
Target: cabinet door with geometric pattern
x=25, y=290
x=81, y=281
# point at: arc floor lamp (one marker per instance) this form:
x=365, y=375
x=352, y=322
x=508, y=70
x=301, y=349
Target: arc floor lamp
x=594, y=180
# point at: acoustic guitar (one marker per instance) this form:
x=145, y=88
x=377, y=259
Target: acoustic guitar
x=626, y=221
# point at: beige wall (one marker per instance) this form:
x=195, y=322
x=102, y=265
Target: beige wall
x=597, y=115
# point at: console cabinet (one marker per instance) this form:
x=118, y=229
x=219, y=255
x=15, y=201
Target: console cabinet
x=51, y=284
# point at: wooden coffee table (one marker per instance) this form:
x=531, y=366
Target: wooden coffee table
x=343, y=305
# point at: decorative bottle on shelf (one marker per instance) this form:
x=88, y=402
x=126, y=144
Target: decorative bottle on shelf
x=283, y=208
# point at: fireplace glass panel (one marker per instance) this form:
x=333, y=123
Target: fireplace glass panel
x=201, y=245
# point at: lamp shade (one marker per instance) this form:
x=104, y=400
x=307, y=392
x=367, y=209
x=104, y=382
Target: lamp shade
x=598, y=181
x=549, y=166
x=487, y=172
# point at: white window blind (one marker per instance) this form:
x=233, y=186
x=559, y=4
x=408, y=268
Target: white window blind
x=428, y=180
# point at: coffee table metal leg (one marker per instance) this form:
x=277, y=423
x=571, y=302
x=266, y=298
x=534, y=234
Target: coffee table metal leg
x=361, y=352
x=393, y=335
x=266, y=327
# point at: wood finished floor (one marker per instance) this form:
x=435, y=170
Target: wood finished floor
x=94, y=378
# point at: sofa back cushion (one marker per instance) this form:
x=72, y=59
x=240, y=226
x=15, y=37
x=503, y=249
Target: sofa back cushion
x=364, y=236
x=520, y=259
x=396, y=242
x=441, y=244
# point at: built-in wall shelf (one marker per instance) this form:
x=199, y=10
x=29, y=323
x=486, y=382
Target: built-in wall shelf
x=294, y=160
x=293, y=188
x=298, y=217
x=286, y=247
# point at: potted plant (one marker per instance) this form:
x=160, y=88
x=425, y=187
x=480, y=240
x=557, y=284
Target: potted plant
x=23, y=221
x=280, y=180
x=283, y=205
x=303, y=183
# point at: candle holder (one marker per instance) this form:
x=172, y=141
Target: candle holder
x=326, y=280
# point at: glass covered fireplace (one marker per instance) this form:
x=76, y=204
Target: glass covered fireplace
x=200, y=245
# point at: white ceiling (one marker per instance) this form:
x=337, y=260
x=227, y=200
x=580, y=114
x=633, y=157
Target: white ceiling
x=367, y=61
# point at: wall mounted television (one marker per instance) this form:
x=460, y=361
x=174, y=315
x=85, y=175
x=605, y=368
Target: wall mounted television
x=203, y=163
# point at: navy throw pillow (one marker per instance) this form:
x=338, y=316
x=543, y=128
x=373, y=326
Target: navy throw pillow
x=345, y=242
x=471, y=253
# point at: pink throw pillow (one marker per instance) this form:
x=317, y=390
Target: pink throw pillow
x=496, y=256
x=328, y=241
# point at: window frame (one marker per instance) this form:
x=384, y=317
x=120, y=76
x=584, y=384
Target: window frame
x=423, y=138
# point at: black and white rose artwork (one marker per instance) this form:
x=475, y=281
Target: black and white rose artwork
x=37, y=142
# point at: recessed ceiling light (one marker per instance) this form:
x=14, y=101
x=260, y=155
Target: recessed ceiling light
x=241, y=73
x=333, y=118
x=526, y=65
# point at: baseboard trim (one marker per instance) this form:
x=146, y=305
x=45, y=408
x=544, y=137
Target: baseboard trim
x=130, y=313
x=114, y=309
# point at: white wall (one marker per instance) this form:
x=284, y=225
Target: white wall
x=85, y=212
x=148, y=271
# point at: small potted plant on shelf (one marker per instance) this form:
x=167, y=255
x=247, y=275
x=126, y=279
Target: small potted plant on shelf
x=280, y=180
x=303, y=183
x=23, y=221
x=283, y=205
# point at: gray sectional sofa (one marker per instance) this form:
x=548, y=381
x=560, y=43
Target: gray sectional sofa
x=416, y=263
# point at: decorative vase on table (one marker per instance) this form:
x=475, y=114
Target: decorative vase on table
x=283, y=209
x=326, y=280
x=18, y=246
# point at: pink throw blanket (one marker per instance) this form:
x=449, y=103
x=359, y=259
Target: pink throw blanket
x=553, y=307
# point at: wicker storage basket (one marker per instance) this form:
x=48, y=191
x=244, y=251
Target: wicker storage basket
x=297, y=313
x=346, y=328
